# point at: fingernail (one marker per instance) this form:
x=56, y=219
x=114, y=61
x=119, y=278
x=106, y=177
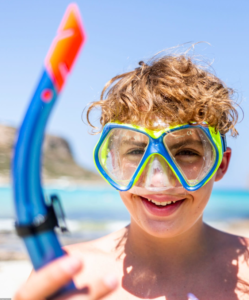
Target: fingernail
x=70, y=264
x=111, y=281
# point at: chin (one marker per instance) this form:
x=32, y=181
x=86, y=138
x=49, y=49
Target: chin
x=162, y=228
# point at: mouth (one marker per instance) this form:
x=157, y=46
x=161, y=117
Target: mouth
x=161, y=205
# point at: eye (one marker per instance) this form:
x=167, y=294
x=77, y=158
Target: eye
x=187, y=152
x=136, y=152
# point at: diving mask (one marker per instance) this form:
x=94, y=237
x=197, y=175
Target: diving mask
x=178, y=157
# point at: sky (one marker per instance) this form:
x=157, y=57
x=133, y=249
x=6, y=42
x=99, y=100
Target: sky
x=119, y=35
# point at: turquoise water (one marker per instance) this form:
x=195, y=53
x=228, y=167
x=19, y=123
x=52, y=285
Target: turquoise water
x=99, y=204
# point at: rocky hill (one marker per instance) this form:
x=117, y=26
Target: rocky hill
x=58, y=163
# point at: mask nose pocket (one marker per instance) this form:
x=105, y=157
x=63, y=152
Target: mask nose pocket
x=157, y=174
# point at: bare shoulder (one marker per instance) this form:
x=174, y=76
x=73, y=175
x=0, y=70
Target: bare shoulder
x=238, y=254
x=104, y=245
x=236, y=246
x=232, y=256
x=99, y=257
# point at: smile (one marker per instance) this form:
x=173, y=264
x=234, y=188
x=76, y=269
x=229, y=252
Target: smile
x=161, y=205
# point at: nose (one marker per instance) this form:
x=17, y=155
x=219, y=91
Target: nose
x=157, y=174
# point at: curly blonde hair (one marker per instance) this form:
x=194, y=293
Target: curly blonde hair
x=173, y=88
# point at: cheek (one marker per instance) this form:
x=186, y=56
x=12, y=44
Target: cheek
x=130, y=202
x=200, y=201
x=135, y=207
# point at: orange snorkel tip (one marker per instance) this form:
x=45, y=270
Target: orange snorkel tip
x=65, y=46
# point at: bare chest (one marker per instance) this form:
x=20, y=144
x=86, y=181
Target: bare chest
x=212, y=282
x=217, y=277
x=201, y=292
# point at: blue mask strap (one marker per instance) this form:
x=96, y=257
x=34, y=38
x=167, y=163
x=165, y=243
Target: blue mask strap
x=224, y=142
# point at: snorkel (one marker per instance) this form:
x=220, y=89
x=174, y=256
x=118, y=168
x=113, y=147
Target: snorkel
x=35, y=218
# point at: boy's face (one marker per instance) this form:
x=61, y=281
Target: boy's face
x=172, y=220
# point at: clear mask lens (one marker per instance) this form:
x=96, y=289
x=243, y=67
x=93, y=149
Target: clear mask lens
x=192, y=152
x=121, y=152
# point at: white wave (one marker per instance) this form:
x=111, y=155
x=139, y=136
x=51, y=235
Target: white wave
x=114, y=226
x=108, y=226
x=73, y=226
x=7, y=224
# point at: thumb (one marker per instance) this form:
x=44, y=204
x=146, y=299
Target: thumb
x=49, y=279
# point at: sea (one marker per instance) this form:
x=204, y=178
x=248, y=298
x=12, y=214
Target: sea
x=92, y=212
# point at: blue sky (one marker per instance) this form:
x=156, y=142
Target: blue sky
x=119, y=35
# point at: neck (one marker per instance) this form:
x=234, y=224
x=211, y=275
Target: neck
x=181, y=249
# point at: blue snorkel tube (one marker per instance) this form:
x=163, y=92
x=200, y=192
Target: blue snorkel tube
x=36, y=219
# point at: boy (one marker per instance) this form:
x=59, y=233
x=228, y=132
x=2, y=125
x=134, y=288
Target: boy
x=163, y=146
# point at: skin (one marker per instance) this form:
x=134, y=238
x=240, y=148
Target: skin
x=165, y=257
x=51, y=278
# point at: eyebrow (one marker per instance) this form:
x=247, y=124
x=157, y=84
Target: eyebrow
x=134, y=143
x=184, y=143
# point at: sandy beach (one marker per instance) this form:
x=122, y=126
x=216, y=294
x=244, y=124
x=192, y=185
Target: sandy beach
x=12, y=275
x=15, y=266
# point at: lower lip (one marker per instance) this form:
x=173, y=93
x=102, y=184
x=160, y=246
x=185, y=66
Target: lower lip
x=161, y=211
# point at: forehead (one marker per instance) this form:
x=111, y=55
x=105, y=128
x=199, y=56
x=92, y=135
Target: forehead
x=126, y=134
x=155, y=123
x=152, y=121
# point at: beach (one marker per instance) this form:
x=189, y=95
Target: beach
x=86, y=220
x=15, y=266
x=12, y=275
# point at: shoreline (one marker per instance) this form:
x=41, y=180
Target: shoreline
x=64, y=184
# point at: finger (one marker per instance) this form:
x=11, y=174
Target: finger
x=103, y=287
x=49, y=279
x=97, y=291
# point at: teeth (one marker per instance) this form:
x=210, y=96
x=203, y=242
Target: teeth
x=161, y=203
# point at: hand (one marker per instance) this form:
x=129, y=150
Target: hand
x=52, y=277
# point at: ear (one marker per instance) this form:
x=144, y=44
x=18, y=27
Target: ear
x=224, y=164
